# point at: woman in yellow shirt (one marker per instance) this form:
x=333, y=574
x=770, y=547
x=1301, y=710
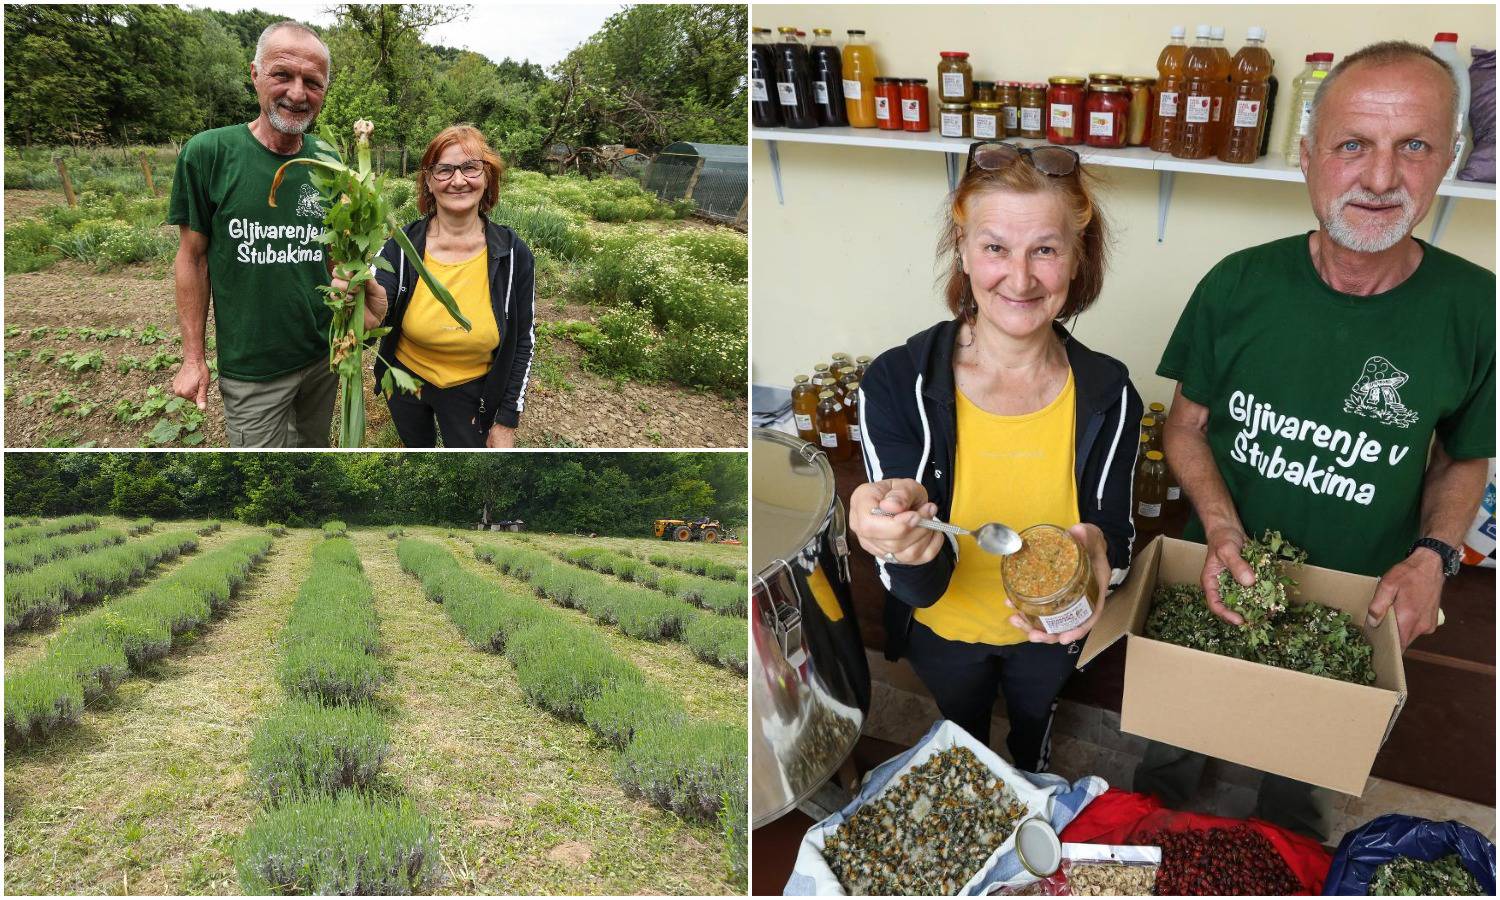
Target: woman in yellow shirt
x=998, y=415
x=473, y=383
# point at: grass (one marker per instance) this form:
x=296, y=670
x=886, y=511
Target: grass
x=304, y=748
x=30, y=530
x=328, y=648
x=346, y=844
x=33, y=553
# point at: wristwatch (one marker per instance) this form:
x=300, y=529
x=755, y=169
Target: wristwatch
x=1450, y=555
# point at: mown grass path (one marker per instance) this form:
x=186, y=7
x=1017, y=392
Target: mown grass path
x=523, y=803
x=149, y=793
x=25, y=647
x=708, y=692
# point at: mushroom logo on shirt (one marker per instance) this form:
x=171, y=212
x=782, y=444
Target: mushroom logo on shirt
x=1374, y=395
x=309, y=204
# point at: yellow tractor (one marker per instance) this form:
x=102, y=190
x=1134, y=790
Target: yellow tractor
x=706, y=530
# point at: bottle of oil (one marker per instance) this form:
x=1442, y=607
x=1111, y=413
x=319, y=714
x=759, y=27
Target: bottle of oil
x=851, y=405
x=805, y=409
x=1304, y=88
x=765, y=112
x=794, y=81
x=1199, y=87
x=859, y=80
x=828, y=80
x=833, y=427
x=1150, y=495
x=1168, y=91
x=1245, y=114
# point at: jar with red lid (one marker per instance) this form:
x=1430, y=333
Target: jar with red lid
x=914, y=105
x=888, y=103
x=1065, y=110
x=1108, y=110
x=955, y=77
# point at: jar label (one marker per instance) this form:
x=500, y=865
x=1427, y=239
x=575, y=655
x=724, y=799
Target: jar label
x=1149, y=510
x=1062, y=115
x=1174, y=493
x=1168, y=107
x=1246, y=113
x=1069, y=618
x=1218, y=109
x=1199, y=109
x=883, y=108
x=985, y=125
x=1031, y=118
x=911, y=110
x=828, y=440
x=1101, y=124
x=854, y=433
x=953, y=85
x=820, y=91
x=804, y=422
x=1010, y=118
x=852, y=90
x=788, y=92
x=952, y=124
x=758, y=90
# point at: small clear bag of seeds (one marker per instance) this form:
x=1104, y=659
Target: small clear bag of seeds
x=1106, y=870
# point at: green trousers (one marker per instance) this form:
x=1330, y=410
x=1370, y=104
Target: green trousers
x=1173, y=774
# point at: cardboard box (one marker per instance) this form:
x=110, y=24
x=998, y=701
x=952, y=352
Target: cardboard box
x=1307, y=727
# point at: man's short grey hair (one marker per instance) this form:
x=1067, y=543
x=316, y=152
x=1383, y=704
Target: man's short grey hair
x=1384, y=53
x=286, y=25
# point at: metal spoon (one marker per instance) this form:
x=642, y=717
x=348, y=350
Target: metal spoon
x=991, y=537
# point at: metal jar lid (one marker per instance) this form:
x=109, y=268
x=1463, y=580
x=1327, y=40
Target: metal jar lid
x=1064, y=79
x=792, y=496
x=955, y=107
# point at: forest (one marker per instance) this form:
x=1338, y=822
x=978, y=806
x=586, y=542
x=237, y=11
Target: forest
x=606, y=493
x=122, y=74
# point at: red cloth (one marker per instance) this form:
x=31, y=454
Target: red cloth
x=1115, y=815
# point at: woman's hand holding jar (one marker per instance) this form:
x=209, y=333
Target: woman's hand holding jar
x=1091, y=539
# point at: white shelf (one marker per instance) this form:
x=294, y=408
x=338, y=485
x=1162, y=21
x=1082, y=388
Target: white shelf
x=1267, y=168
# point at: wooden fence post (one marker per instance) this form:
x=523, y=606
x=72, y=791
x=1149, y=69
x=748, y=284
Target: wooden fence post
x=62, y=172
x=742, y=218
x=146, y=170
x=403, y=162
x=693, y=181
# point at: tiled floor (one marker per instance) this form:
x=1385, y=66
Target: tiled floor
x=1087, y=740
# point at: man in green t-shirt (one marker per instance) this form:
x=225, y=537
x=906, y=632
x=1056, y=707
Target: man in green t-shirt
x=262, y=265
x=1314, y=373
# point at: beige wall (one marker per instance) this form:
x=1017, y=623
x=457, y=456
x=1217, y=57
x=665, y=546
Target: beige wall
x=848, y=264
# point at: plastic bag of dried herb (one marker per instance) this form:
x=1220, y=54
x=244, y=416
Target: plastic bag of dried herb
x=1408, y=877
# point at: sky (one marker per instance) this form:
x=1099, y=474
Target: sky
x=538, y=32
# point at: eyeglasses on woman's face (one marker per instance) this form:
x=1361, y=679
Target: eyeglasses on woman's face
x=472, y=168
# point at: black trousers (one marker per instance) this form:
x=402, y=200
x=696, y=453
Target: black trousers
x=453, y=411
x=965, y=679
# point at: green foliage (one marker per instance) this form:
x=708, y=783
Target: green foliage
x=20, y=534
x=484, y=613
x=560, y=667
x=335, y=529
x=39, y=596
x=345, y=844
x=140, y=526
x=687, y=768
x=1405, y=876
x=329, y=645
x=734, y=822
x=544, y=230
x=33, y=553
x=210, y=528
x=1264, y=600
x=304, y=748
x=719, y=640
x=30, y=245
x=622, y=710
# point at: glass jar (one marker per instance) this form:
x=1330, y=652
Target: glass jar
x=1033, y=97
x=955, y=77
x=1097, y=78
x=839, y=361
x=1108, y=108
x=851, y=408
x=888, y=104
x=862, y=365
x=1009, y=95
x=805, y=408
x=833, y=427
x=953, y=120
x=986, y=119
x=914, y=105
x=1065, y=110
x=765, y=111
x=1138, y=131
x=985, y=91
x=1050, y=580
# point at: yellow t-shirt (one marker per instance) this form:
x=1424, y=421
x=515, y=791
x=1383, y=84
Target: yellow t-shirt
x=1017, y=470
x=434, y=347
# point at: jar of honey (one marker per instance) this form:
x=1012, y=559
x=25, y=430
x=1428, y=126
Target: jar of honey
x=888, y=103
x=805, y=408
x=1033, y=96
x=1065, y=110
x=851, y=407
x=987, y=119
x=833, y=427
x=1108, y=108
x=1009, y=95
x=955, y=77
x=1138, y=131
x=862, y=365
x=984, y=90
x=953, y=120
x=1050, y=580
x=914, y=105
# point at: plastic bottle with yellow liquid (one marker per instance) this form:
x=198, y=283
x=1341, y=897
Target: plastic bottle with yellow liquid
x=1196, y=107
x=1245, y=114
x=1168, y=91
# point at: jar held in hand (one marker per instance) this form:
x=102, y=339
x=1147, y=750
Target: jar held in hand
x=1050, y=580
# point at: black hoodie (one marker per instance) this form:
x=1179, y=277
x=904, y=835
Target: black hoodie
x=512, y=276
x=908, y=421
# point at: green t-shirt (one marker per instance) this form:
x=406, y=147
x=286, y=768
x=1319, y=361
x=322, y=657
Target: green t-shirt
x=1321, y=405
x=264, y=264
